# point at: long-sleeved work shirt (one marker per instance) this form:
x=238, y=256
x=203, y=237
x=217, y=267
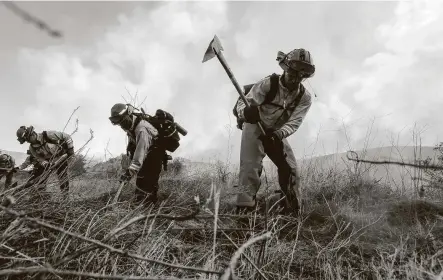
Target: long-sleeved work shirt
x=286, y=118
x=48, y=148
x=142, y=139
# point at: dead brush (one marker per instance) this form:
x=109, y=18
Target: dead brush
x=345, y=231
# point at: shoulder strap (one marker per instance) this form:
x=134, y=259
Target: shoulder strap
x=45, y=136
x=269, y=96
x=302, y=92
x=138, y=119
x=274, y=88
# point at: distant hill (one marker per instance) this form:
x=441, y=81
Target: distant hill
x=395, y=175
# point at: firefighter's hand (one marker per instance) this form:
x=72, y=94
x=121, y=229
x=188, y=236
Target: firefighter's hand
x=272, y=141
x=132, y=171
x=251, y=114
x=125, y=177
x=44, y=164
x=15, y=169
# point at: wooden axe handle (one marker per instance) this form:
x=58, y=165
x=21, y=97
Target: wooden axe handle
x=224, y=63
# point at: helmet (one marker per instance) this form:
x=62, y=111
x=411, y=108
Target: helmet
x=23, y=133
x=118, y=111
x=298, y=60
x=121, y=114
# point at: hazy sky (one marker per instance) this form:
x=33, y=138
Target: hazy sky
x=378, y=68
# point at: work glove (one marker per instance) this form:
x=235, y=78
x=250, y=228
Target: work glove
x=44, y=164
x=251, y=114
x=272, y=141
x=125, y=177
x=132, y=171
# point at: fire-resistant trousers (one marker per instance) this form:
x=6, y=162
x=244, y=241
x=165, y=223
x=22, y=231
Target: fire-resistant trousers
x=251, y=157
x=149, y=174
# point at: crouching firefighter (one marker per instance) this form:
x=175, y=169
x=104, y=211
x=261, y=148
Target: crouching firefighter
x=7, y=168
x=280, y=103
x=149, y=139
x=44, y=148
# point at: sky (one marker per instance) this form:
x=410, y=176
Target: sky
x=377, y=80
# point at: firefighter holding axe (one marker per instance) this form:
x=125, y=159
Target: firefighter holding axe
x=271, y=110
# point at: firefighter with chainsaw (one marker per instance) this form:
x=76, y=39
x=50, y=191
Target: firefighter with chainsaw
x=280, y=103
x=44, y=148
x=149, y=139
x=7, y=168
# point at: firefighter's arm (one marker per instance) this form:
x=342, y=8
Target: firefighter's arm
x=255, y=96
x=297, y=117
x=144, y=140
x=26, y=163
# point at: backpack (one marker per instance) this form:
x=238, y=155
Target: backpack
x=168, y=137
x=268, y=98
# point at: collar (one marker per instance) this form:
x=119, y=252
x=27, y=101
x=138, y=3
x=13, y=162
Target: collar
x=281, y=82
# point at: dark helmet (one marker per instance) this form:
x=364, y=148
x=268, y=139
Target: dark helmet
x=118, y=111
x=23, y=133
x=122, y=115
x=298, y=60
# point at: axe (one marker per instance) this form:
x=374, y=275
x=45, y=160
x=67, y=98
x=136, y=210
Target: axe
x=215, y=49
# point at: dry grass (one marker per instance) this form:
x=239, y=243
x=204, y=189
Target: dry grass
x=349, y=229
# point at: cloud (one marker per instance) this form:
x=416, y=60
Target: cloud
x=155, y=53
x=401, y=80
x=377, y=64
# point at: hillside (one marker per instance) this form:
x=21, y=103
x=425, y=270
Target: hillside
x=394, y=175
x=347, y=229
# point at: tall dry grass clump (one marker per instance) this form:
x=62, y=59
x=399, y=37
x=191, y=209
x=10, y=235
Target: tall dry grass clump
x=351, y=227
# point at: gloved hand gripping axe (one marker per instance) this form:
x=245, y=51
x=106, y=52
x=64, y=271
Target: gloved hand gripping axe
x=215, y=49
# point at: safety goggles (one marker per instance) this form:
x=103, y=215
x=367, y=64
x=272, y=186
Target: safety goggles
x=116, y=120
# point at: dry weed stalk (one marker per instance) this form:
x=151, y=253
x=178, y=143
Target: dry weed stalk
x=229, y=273
x=424, y=166
x=115, y=231
x=34, y=270
x=37, y=222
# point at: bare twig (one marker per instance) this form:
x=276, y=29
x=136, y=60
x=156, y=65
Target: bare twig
x=70, y=118
x=120, y=228
x=31, y=19
x=229, y=273
x=246, y=256
x=103, y=245
x=32, y=270
x=425, y=166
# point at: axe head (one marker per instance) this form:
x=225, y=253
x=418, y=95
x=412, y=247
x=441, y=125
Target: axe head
x=212, y=50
